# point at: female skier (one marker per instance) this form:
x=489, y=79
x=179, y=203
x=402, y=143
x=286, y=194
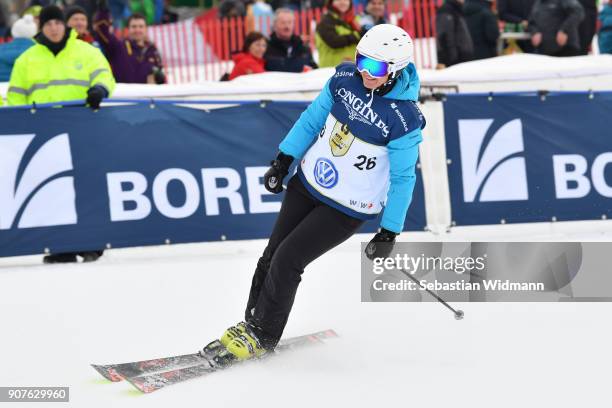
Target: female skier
x=357, y=144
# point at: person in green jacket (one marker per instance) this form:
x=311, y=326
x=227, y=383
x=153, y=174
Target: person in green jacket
x=337, y=34
x=59, y=67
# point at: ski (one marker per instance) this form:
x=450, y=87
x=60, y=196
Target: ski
x=148, y=383
x=119, y=372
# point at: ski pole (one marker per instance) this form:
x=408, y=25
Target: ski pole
x=458, y=313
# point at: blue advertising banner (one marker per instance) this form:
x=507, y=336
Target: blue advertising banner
x=73, y=180
x=528, y=158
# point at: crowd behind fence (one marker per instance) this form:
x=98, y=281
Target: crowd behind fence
x=200, y=49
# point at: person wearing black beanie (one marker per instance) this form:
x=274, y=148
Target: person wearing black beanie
x=74, y=9
x=53, y=33
x=50, y=13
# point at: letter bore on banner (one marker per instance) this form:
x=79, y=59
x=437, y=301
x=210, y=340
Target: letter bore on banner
x=160, y=193
x=565, y=178
x=118, y=196
x=213, y=192
x=598, y=174
x=256, y=191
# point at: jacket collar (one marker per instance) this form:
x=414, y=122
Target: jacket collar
x=293, y=41
x=55, y=48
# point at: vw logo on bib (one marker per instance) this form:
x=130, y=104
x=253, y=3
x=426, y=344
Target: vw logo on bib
x=325, y=173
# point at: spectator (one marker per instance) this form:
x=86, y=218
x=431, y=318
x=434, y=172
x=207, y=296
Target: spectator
x=34, y=11
x=60, y=68
x=483, y=27
x=88, y=5
x=76, y=18
x=22, y=31
x=360, y=4
x=286, y=51
x=4, y=19
x=453, y=40
x=294, y=5
x=119, y=10
x=167, y=15
x=588, y=26
x=314, y=3
x=516, y=13
x=41, y=3
x=145, y=8
x=338, y=33
x=72, y=70
x=373, y=14
x=554, y=27
x=231, y=8
x=260, y=13
x=159, y=7
x=250, y=60
x=605, y=32
x=135, y=59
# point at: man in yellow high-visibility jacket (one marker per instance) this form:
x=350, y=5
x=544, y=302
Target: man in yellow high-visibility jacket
x=59, y=67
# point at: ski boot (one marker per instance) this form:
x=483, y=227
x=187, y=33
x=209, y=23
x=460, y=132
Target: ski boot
x=215, y=347
x=60, y=258
x=91, y=256
x=246, y=346
x=233, y=332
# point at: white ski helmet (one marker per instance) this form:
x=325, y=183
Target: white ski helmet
x=388, y=43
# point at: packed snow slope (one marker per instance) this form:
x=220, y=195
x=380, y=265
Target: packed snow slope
x=150, y=302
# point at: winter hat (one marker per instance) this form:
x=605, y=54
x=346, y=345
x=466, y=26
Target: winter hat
x=50, y=13
x=34, y=11
x=72, y=10
x=25, y=27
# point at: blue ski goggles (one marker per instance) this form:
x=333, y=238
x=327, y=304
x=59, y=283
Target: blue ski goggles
x=375, y=68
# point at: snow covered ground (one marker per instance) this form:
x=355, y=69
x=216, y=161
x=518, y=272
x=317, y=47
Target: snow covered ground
x=145, y=302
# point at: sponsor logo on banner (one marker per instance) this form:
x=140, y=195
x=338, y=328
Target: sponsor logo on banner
x=571, y=172
x=325, y=173
x=133, y=196
x=36, y=190
x=493, y=166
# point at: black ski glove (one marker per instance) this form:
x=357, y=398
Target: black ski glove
x=95, y=94
x=273, y=179
x=381, y=245
x=159, y=76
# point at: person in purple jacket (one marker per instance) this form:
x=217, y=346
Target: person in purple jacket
x=134, y=59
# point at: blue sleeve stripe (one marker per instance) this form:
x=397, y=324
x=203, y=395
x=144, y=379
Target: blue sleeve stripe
x=308, y=126
x=403, y=156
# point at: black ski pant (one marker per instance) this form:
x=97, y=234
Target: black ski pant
x=305, y=229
